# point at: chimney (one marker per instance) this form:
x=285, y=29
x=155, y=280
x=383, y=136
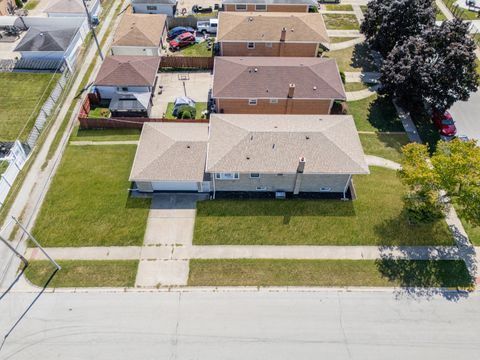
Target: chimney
x=301, y=165
x=283, y=34
x=299, y=175
x=291, y=90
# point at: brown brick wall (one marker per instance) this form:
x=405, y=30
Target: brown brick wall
x=277, y=49
x=271, y=8
x=305, y=107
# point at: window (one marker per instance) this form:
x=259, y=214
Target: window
x=261, y=7
x=226, y=176
x=273, y=101
x=122, y=88
x=279, y=174
x=268, y=45
x=261, y=188
x=252, y=102
x=151, y=7
x=241, y=7
x=325, y=189
x=254, y=175
x=250, y=45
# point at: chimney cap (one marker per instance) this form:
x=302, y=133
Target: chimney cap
x=301, y=159
x=291, y=85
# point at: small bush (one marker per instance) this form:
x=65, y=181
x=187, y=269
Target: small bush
x=186, y=112
x=19, y=3
x=423, y=208
x=342, y=76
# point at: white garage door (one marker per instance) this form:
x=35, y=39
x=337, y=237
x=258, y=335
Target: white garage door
x=175, y=186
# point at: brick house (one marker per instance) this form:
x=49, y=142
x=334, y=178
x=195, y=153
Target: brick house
x=267, y=85
x=271, y=34
x=250, y=153
x=290, y=6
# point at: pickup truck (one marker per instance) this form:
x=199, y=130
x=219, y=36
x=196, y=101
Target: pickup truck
x=208, y=26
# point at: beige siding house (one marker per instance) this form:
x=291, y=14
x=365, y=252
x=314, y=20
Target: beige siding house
x=289, y=6
x=251, y=153
x=266, y=85
x=271, y=34
x=140, y=35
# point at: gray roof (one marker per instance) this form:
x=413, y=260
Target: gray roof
x=165, y=2
x=286, y=2
x=135, y=101
x=274, y=144
x=68, y=6
x=171, y=152
x=47, y=39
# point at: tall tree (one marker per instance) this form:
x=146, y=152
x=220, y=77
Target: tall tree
x=436, y=68
x=388, y=22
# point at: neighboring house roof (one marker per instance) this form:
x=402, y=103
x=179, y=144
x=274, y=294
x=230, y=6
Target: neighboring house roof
x=66, y=6
x=163, y=2
x=171, y=152
x=275, y=143
x=140, y=30
x=46, y=39
x=270, y=77
x=268, y=26
x=128, y=71
x=276, y=2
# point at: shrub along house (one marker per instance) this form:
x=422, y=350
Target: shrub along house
x=127, y=83
x=251, y=153
x=290, y=6
x=271, y=34
x=140, y=34
x=267, y=85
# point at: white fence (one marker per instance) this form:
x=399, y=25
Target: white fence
x=16, y=158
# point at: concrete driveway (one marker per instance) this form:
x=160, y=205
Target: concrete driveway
x=170, y=224
x=195, y=85
x=466, y=115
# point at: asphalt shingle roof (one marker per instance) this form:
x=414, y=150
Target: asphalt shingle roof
x=128, y=71
x=47, y=39
x=140, y=30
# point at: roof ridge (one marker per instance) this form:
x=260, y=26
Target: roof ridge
x=320, y=77
x=302, y=18
x=232, y=78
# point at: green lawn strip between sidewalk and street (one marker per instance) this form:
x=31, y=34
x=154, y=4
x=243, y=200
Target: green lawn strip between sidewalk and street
x=84, y=273
x=335, y=273
x=375, y=113
x=341, y=21
x=387, y=146
x=88, y=203
x=376, y=217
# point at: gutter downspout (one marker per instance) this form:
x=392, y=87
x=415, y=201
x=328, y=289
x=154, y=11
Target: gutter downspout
x=214, y=188
x=346, y=187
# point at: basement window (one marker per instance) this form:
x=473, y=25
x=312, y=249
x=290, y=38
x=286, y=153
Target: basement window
x=261, y=188
x=325, y=189
x=252, y=102
x=250, y=45
x=151, y=7
x=254, y=175
x=227, y=176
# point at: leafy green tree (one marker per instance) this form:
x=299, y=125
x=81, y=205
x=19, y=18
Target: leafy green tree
x=388, y=22
x=435, y=69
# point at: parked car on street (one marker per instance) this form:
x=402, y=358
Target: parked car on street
x=208, y=26
x=179, y=30
x=201, y=9
x=445, y=124
x=182, y=40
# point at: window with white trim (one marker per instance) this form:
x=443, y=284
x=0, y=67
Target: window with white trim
x=261, y=7
x=268, y=45
x=240, y=7
x=254, y=175
x=252, y=102
x=273, y=101
x=250, y=45
x=261, y=188
x=325, y=189
x=227, y=176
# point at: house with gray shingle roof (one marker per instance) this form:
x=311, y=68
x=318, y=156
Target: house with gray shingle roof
x=268, y=5
x=251, y=153
x=73, y=8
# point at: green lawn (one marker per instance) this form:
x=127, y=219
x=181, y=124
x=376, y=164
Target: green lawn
x=334, y=39
x=356, y=86
x=199, y=106
x=3, y=166
x=339, y=7
x=460, y=12
x=375, y=113
x=388, y=146
x=354, y=58
x=199, y=49
x=375, y=218
x=100, y=112
x=439, y=16
x=104, y=134
x=269, y=272
x=31, y=4
x=363, y=8
x=81, y=273
x=427, y=131
x=341, y=21
x=88, y=203
x=21, y=98
x=477, y=61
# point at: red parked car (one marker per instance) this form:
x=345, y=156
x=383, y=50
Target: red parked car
x=445, y=124
x=182, y=40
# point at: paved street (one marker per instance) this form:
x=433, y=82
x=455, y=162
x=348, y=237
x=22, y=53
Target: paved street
x=466, y=115
x=242, y=325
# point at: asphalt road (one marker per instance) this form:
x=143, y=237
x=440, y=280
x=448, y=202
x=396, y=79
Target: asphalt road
x=467, y=116
x=242, y=325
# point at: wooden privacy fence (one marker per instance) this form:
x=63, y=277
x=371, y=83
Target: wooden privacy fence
x=187, y=62
x=190, y=20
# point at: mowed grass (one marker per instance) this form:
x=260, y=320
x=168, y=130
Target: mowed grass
x=388, y=146
x=353, y=59
x=21, y=98
x=199, y=107
x=375, y=218
x=104, y=134
x=88, y=203
x=199, y=49
x=339, y=7
x=341, y=21
x=335, y=40
x=375, y=113
x=83, y=273
x=3, y=166
x=274, y=272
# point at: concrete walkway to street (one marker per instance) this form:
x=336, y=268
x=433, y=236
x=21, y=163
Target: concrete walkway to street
x=408, y=124
x=365, y=77
x=379, y=161
x=343, y=33
x=346, y=44
x=119, y=142
x=362, y=94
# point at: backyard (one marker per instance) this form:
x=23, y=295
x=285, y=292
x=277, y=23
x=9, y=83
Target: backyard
x=319, y=222
x=21, y=97
x=88, y=203
x=199, y=108
x=104, y=134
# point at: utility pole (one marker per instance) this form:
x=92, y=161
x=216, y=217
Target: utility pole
x=89, y=18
